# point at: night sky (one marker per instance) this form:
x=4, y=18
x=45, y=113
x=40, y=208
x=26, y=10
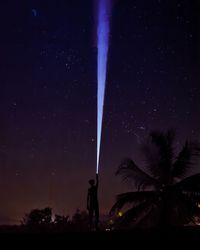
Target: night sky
x=48, y=97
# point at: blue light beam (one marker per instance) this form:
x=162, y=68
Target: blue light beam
x=103, y=28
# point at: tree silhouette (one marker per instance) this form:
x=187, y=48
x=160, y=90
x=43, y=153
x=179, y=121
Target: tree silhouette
x=61, y=223
x=164, y=195
x=61, y=220
x=80, y=221
x=38, y=217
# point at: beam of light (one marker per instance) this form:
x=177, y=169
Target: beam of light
x=103, y=28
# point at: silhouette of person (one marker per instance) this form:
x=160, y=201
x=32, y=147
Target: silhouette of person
x=92, y=202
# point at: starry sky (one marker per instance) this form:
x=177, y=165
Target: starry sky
x=48, y=97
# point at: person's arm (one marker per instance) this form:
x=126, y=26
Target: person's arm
x=97, y=180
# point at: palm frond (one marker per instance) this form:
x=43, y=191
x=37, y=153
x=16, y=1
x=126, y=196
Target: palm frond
x=132, y=173
x=168, y=203
x=133, y=197
x=150, y=218
x=186, y=158
x=164, y=143
x=152, y=158
x=133, y=214
x=190, y=184
x=187, y=208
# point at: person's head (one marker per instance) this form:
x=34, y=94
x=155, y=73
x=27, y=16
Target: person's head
x=91, y=182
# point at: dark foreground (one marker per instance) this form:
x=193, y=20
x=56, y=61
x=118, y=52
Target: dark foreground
x=179, y=234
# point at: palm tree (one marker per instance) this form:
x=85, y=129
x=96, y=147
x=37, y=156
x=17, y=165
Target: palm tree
x=164, y=195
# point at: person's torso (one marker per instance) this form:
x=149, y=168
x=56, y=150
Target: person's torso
x=93, y=195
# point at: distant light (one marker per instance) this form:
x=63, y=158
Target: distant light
x=120, y=214
x=198, y=205
x=197, y=221
x=141, y=127
x=53, y=217
x=110, y=221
